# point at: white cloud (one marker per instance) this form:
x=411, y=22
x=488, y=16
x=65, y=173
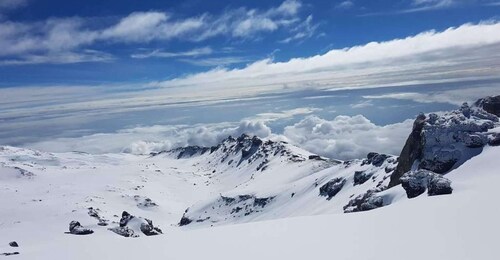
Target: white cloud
x=286, y=114
x=164, y=54
x=217, y=61
x=147, y=139
x=69, y=35
x=12, y=4
x=345, y=5
x=344, y=137
x=347, y=137
x=362, y=104
x=471, y=51
x=454, y=97
x=302, y=31
x=468, y=51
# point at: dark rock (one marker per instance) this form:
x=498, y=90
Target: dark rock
x=9, y=254
x=76, y=228
x=261, y=202
x=375, y=159
x=417, y=182
x=439, y=186
x=490, y=105
x=316, y=157
x=494, y=139
x=361, y=177
x=13, y=244
x=126, y=217
x=474, y=141
x=149, y=229
x=364, y=202
x=331, y=188
x=412, y=151
x=185, y=221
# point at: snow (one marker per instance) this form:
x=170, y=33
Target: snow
x=37, y=208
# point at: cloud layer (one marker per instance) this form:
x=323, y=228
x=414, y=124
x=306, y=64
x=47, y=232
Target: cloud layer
x=344, y=137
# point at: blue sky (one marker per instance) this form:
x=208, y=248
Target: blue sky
x=317, y=26
x=139, y=76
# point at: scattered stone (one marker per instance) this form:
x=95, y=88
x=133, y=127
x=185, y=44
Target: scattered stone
x=9, y=254
x=124, y=231
x=94, y=212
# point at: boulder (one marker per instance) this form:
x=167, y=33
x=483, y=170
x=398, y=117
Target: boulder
x=130, y=226
x=76, y=228
x=13, y=244
x=417, y=182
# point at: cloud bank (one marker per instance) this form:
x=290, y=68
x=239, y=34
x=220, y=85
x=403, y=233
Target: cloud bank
x=344, y=137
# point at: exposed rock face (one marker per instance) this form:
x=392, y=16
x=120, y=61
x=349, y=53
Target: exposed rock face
x=331, y=188
x=442, y=142
x=412, y=150
x=490, y=105
x=76, y=228
x=416, y=183
x=13, y=244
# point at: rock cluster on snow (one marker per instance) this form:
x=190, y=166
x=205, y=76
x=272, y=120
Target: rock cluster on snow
x=364, y=202
x=417, y=182
x=442, y=142
x=229, y=207
x=131, y=225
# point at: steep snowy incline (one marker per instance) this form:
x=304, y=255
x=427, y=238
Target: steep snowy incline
x=459, y=226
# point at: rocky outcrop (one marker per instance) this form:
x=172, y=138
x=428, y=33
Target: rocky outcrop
x=76, y=228
x=227, y=207
x=364, y=202
x=440, y=143
x=13, y=244
x=361, y=177
x=416, y=183
x=331, y=188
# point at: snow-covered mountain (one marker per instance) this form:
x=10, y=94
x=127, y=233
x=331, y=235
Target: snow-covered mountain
x=241, y=180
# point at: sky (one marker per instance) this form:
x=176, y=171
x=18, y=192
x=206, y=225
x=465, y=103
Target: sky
x=329, y=76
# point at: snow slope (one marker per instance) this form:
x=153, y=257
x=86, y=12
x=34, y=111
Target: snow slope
x=286, y=201
x=458, y=226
